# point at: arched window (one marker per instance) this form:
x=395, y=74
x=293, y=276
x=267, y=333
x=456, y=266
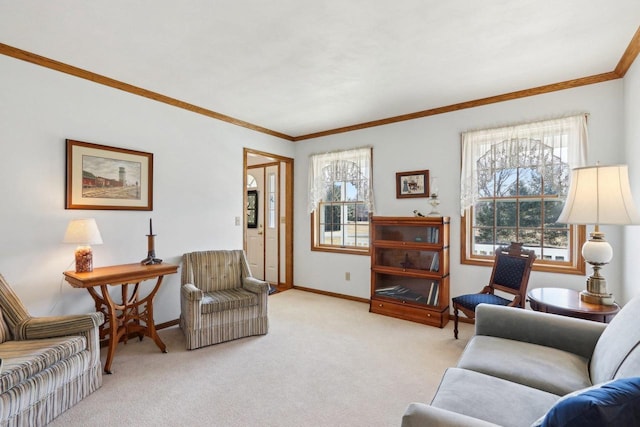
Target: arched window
x=520, y=179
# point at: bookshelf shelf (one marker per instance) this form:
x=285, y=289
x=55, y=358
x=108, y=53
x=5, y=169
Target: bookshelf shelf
x=410, y=268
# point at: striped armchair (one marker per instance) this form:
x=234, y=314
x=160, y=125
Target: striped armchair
x=219, y=298
x=48, y=363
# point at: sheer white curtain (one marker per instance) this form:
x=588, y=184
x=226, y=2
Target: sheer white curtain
x=352, y=166
x=567, y=136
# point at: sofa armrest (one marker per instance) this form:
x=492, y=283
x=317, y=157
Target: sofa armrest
x=190, y=300
x=191, y=293
x=577, y=336
x=254, y=285
x=58, y=326
x=421, y=415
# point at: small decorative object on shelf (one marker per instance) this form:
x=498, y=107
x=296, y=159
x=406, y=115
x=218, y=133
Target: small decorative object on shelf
x=433, y=198
x=417, y=213
x=151, y=248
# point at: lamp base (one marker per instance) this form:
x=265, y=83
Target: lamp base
x=434, y=202
x=600, y=299
x=84, y=259
x=596, y=292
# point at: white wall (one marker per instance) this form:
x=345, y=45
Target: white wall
x=434, y=143
x=631, y=234
x=197, y=183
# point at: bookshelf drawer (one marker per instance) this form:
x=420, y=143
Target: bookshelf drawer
x=435, y=316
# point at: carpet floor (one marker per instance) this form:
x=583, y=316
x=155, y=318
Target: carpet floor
x=325, y=362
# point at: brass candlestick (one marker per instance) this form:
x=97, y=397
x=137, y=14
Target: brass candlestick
x=151, y=248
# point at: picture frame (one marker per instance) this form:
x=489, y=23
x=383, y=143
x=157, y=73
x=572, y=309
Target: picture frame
x=412, y=184
x=252, y=208
x=103, y=177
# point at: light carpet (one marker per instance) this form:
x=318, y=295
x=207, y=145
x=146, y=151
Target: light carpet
x=325, y=362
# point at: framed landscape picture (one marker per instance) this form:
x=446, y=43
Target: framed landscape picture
x=412, y=184
x=102, y=177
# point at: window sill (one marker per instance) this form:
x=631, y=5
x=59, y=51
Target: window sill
x=336, y=250
x=537, y=266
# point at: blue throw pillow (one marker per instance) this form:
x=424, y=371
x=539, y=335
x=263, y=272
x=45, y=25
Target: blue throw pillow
x=615, y=403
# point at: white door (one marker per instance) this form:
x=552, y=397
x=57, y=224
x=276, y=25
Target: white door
x=255, y=235
x=271, y=223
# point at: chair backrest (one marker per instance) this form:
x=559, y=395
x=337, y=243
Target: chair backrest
x=12, y=311
x=511, y=270
x=215, y=270
x=617, y=352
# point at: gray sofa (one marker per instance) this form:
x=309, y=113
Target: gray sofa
x=520, y=363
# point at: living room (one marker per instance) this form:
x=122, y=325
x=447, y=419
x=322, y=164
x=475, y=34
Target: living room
x=198, y=179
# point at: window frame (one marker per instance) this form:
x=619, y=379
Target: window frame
x=576, y=264
x=478, y=144
x=315, y=215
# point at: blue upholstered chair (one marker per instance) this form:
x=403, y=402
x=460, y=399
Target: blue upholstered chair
x=510, y=275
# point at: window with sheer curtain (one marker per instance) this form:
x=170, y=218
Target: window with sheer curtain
x=514, y=181
x=340, y=200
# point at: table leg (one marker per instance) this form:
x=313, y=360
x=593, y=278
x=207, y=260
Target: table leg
x=147, y=317
x=113, y=328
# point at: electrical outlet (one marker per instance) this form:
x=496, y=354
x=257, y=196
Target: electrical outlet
x=347, y=276
x=237, y=220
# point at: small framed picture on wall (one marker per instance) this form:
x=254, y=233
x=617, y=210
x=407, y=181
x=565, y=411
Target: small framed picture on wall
x=412, y=184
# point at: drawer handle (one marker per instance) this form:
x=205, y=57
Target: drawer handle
x=380, y=305
x=428, y=314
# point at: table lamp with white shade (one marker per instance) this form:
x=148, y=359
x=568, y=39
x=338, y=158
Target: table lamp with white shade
x=84, y=232
x=599, y=195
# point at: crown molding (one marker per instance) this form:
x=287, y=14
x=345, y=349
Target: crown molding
x=627, y=59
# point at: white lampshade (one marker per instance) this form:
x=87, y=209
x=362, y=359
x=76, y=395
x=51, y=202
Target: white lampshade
x=599, y=195
x=83, y=232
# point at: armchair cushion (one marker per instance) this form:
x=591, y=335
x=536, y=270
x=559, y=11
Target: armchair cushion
x=615, y=402
x=24, y=359
x=227, y=299
x=471, y=301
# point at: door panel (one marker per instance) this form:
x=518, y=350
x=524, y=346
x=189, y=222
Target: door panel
x=255, y=236
x=271, y=223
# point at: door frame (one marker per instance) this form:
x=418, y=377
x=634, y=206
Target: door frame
x=288, y=211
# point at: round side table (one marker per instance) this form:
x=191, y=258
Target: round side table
x=566, y=302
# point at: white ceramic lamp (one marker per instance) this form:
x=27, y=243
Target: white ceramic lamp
x=599, y=195
x=84, y=232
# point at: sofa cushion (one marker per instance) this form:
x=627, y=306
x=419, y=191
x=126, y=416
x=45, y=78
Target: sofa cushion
x=613, y=403
x=227, y=299
x=545, y=368
x=613, y=353
x=491, y=399
x=24, y=359
x=5, y=333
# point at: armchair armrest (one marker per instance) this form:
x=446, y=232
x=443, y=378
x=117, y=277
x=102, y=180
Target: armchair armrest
x=420, y=415
x=58, y=326
x=191, y=293
x=577, y=336
x=254, y=285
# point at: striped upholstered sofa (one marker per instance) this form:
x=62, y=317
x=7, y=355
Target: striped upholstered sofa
x=220, y=299
x=48, y=363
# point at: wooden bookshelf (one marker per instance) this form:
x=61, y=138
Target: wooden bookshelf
x=410, y=268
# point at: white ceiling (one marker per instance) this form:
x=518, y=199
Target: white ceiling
x=300, y=66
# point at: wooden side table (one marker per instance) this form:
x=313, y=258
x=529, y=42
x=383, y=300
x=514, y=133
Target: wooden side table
x=566, y=302
x=125, y=317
